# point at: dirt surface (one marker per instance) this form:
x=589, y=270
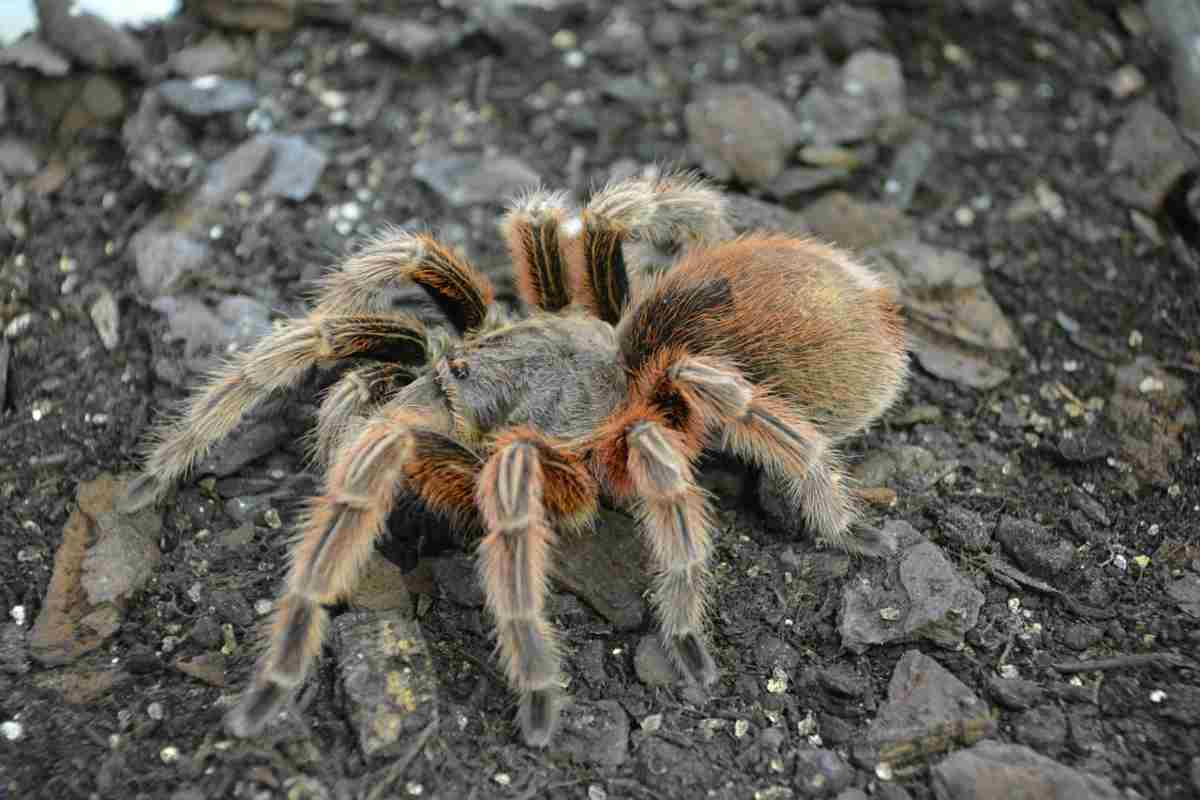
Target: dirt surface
x=1017, y=103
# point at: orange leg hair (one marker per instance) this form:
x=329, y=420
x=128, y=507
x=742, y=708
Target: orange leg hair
x=524, y=486
x=338, y=537
x=763, y=429
x=351, y=319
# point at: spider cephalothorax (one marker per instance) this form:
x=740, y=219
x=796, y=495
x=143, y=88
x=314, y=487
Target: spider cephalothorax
x=770, y=347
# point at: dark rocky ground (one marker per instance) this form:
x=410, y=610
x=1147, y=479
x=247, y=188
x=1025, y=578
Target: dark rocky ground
x=1018, y=165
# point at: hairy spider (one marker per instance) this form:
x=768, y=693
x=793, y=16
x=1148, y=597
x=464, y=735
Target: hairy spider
x=770, y=347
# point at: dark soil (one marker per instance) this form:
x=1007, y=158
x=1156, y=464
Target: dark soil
x=95, y=406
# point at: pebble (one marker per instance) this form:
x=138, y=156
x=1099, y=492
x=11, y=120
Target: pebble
x=14, y=655
x=163, y=257
x=1014, y=693
x=107, y=319
x=1148, y=158
x=965, y=527
x=819, y=773
x=208, y=95
x=856, y=224
x=235, y=324
x=923, y=697
x=593, y=733
x=969, y=339
x=408, y=38
x=1021, y=771
x=1035, y=549
x=605, y=570
x=212, y=56
x=104, y=559
x=932, y=601
x=296, y=167
x=89, y=39
x=909, y=166
x=737, y=129
x=30, y=52
x=388, y=680
x=652, y=664
x=472, y=179
x=12, y=730
x=18, y=158
x=843, y=28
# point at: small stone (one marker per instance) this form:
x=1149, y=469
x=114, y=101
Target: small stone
x=30, y=52
x=965, y=527
x=855, y=224
x=1081, y=636
x=208, y=95
x=1021, y=771
x=1014, y=693
x=386, y=673
x=212, y=56
x=652, y=664
x=107, y=320
x=413, y=40
x=1148, y=158
x=296, y=167
x=88, y=38
x=819, y=773
x=605, y=570
x=469, y=180
x=18, y=158
x=12, y=730
x=740, y=130
x=163, y=257
x=207, y=667
x=1035, y=549
x=1043, y=727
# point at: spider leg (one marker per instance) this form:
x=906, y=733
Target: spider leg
x=350, y=400
x=663, y=211
x=339, y=534
x=279, y=360
x=764, y=429
x=525, y=485
x=360, y=284
x=531, y=229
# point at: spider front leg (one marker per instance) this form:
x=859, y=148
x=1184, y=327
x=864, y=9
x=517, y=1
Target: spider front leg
x=526, y=484
x=764, y=429
x=338, y=537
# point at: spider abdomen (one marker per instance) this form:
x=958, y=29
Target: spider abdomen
x=820, y=330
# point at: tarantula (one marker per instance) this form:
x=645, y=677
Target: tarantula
x=770, y=347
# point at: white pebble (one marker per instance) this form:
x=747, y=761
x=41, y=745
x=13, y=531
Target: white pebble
x=1157, y=696
x=155, y=711
x=12, y=730
x=18, y=614
x=169, y=754
x=262, y=607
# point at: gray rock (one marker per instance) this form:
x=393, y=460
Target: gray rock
x=991, y=770
x=468, y=180
x=1013, y=693
x=930, y=601
x=30, y=52
x=959, y=331
x=900, y=465
x=652, y=664
x=87, y=38
x=386, y=677
x=923, y=699
x=233, y=172
x=231, y=606
x=1081, y=635
x=965, y=527
x=212, y=56
x=855, y=224
x=18, y=158
x=234, y=325
x=843, y=28
x=1177, y=25
x=107, y=319
x=605, y=569
x=1186, y=592
x=740, y=130
x=749, y=214
x=1035, y=549
x=593, y=733
x=820, y=773
x=1043, y=727
x=413, y=40
x=163, y=257
x=1089, y=505
x=1150, y=409
x=796, y=182
x=771, y=651
x=842, y=680
x=159, y=147
x=296, y=167
x=1148, y=157
x=253, y=439
x=14, y=657
x=208, y=95
x=909, y=165
x=124, y=557
x=868, y=94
